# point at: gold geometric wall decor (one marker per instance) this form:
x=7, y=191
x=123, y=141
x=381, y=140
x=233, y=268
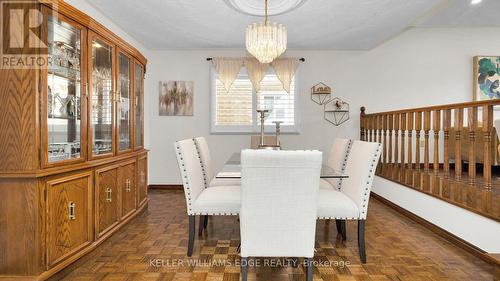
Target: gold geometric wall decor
x=336, y=111
x=321, y=93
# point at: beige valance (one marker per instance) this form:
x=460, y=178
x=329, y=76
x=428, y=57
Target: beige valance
x=256, y=71
x=285, y=70
x=228, y=69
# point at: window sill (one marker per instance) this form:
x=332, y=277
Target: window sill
x=253, y=133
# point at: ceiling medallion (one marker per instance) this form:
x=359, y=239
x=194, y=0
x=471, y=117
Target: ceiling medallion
x=266, y=40
x=255, y=7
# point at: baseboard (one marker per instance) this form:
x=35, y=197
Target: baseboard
x=165, y=186
x=457, y=241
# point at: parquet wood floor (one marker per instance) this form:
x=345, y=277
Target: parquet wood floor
x=397, y=249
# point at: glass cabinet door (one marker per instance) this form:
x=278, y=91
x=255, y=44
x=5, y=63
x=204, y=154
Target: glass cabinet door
x=102, y=97
x=124, y=102
x=138, y=90
x=64, y=112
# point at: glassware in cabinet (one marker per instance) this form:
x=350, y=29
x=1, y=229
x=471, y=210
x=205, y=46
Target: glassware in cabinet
x=124, y=102
x=64, y=110
x=102, y=97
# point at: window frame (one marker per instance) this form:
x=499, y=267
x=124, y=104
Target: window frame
x=255, y=127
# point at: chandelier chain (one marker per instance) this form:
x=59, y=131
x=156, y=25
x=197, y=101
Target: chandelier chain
x=265, y=21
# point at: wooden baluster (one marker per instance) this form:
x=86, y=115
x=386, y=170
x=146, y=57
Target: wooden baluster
x=379, y=126
x=369, y=127
x=409, y=116
x=459, y=113
x=372, y=126
x=418, y=128
x=487, y=128
x=396, y=140
x=379, y=135
x=472, y=124
x=372, y=131
x=384, y=129
x=368, y=131
x=427, y=128
x=403, y=139
x=375, y=129
x=446, y=148
x=362, y=118
x=436, y=128
x=390, y=125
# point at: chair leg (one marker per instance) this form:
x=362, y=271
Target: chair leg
x=341, y=229
x=244, y=268
x=309, y=269
x=191, y=235
x=201, y=225
x=361, y=240
x=339, y=226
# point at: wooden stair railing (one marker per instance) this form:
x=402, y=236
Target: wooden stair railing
x=444, y=151
x=402, y=133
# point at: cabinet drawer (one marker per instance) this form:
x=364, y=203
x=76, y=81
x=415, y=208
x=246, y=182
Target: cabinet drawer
x=107, y=212
x=126, y=178
x=142, y=176
x=69, y=215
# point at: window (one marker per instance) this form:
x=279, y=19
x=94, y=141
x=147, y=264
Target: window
x=235, y=111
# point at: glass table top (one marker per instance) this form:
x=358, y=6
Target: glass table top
x=232, y=169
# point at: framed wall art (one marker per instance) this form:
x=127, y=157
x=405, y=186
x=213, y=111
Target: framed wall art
x=486, y=77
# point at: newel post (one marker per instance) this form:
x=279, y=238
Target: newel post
x=362, y=124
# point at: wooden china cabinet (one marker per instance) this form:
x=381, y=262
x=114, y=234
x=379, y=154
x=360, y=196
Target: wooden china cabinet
x=73, y=167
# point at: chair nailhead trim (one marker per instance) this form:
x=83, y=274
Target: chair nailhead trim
x=369, y=181
x=344, y=164
x=187, y=189
x=205, y=180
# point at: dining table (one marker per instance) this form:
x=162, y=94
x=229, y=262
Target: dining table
x=232, y=169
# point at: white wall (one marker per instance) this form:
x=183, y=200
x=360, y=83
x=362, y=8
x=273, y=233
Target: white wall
x=421, y=67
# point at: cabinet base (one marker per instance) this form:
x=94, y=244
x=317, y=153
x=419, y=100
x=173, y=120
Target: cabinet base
x=57, y=272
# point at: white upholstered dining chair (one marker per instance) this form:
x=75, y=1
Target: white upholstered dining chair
x=279, y=195
x=201, y=201
x=351, y=203
x=208, y=170
x=337, y=160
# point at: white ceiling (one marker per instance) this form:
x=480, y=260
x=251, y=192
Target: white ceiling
x=315, y=24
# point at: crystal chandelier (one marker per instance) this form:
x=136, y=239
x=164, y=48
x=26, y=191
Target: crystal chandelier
x=266, y=41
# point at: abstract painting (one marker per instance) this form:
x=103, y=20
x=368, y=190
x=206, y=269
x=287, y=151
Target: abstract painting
x=486, y=78
x=176, y=98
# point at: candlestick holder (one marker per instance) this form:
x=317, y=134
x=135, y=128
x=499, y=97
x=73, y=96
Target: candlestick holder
x=262, y=145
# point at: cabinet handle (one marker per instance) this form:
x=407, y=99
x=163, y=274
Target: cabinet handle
x=71, y=207
x=86, y=90
x=127, y=185
x=108, y=194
